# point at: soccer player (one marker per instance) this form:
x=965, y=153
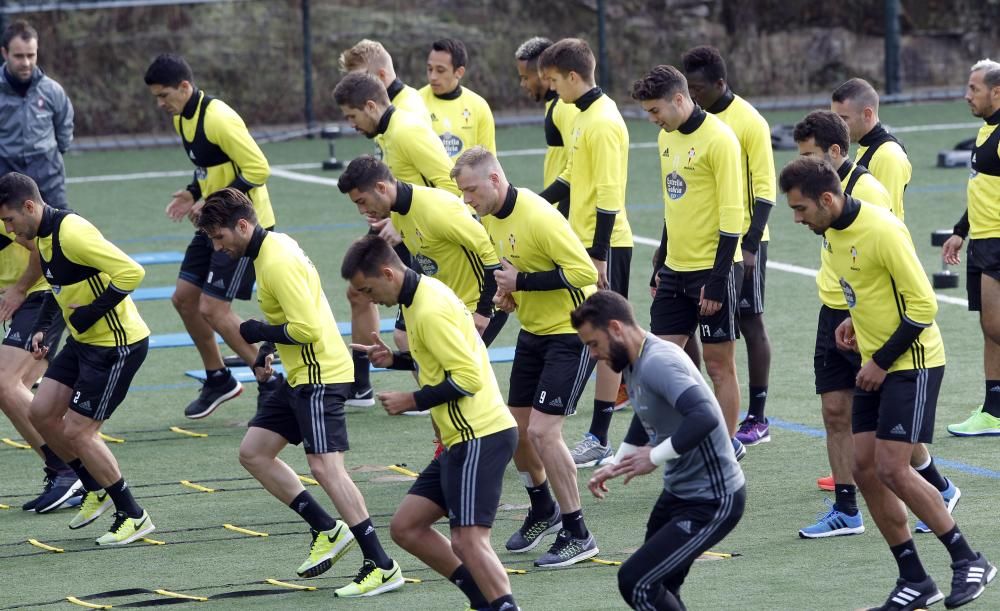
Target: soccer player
x=370, y=57
x=22, y=293
x=458, y=387
x=89, y=378
x=459, y=116
x=824, y=135
x=559, y=115
x=595, y=180
x=891, y=323
x=705, y=71
x=546, y=273
x=36, y=116
x=980, y=224
x=696, y=280
x=225, y=155
x=445, y=241
x=415, y=155
x=309, y=406
x=856, y=101
x=704, y=490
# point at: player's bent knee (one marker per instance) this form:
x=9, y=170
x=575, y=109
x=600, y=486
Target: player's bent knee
x=627, y=580
x=214, y=310
x=402, y=530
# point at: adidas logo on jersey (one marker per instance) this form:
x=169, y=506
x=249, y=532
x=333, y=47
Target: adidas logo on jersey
x=557, y=402
x=48, y=273
x=898, y=430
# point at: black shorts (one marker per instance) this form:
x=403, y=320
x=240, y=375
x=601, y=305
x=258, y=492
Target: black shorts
x=619, y=269
x=218, y=274
x=466, y=480
x=982, y=257
x=678, y=531
x=902, y=409
x=834, y=369
x=310, y=414
x=549, y=372
x=99, y=375
x=752, y=293
x=675, y=309
x=22, y=323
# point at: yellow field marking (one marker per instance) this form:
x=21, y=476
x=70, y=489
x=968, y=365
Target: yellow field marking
x=48, y=548
x=245, y=531
x=180, y=431
x=197, y=487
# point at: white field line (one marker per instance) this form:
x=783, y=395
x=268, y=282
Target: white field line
x=804, y=271
x=299, y=177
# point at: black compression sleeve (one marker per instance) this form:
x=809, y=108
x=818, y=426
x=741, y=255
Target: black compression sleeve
x=605, y=224
x=240, y=184
x=898, y=343
x=439, y=394
x=660, y=256
x=541, y=281
x=715, y=288
x=961, y=229
x=556, y=192
x=84, y=317
x=761, y=212
x=47, y=313
x=696, y=405
x=253, y=331
x=403, y=361
x=485, y=305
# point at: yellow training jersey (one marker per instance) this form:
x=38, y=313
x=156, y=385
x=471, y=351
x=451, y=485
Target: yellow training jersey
x=754, y=135
x=559, y=119
x=445, y=345
x=983, y=190
x=290, y=294
x=224, y=153
x=597, y=170
x=413, y=151
x=531, y=234
x=702, y=190
x=445, y=240
x=860, y=184
x=13, y=262
x=407, y=99
x=80, y=264
x=885, y=158
x=884, y=283
x=462, y=119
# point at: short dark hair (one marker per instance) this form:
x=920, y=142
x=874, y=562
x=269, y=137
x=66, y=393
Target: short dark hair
x=569, y=55
x=168, y=70
x=19, y=29
x=601, y=308
x=17, y=188
x=455, y=48
x=812, y=176
x=357, y=88
x=856, y=89
x=368, y=254
x=661, y=83
x=362, y=174
x=706, y=60
x=826, y=128
x=225, y=208
x=531, y=49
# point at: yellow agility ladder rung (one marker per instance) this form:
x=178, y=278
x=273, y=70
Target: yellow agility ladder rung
x=285, y=584
x=111, y=439
x=403, y=470
x=179, y=595
x=193, y=486
x=47, y=548
x=245, y=531
x=15, y=444
x=180, y=431
x=83, y=603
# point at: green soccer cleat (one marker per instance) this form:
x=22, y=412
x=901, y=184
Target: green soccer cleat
x=94, y=504
x=125, y=530
x=979, y=423
x=327, y=548
x=372, y=581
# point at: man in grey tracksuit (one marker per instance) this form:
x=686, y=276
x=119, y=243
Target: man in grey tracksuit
x=36, y=116
x=704, y=490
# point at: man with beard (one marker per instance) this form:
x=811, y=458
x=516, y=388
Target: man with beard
x=704, y=490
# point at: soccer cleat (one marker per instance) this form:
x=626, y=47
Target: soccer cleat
x=211, y=397
x=568, y=550
x=834, y=523
x=622, y=400
x=979, y=423
x=739, y=449
x=753, y=431
x=968, y=580
x=327, y=548
x=533, y=531
x=360, y=397
x=950, y=496
x=910, y=596
x=590, y=453
x=47, y=480
x=125, y=530
x=64, y=486
x=94, y=504
x=826, y=483
x=372, y=581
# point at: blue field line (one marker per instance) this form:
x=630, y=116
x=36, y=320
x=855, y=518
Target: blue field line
x=293, y=229
x=942, y=462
